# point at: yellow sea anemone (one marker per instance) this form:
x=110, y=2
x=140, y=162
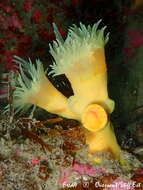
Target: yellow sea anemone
x=81, y=58
x=32, y=87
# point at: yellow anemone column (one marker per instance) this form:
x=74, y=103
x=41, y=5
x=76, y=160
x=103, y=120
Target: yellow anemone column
x=81, y=58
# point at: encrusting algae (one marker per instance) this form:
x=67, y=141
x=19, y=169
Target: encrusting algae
x=81, y=58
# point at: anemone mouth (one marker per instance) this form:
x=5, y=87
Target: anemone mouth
x=26, y=83
x=81, y=42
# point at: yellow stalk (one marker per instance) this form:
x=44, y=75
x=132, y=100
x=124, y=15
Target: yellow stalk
x=103, y=140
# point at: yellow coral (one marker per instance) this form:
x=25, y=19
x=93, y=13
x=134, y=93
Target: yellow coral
x=81, y=58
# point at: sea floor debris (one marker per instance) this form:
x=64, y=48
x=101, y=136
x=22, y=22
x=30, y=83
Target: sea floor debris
x=34, y=156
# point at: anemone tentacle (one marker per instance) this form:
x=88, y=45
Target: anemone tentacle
x=27, y=83
x=80, y=41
